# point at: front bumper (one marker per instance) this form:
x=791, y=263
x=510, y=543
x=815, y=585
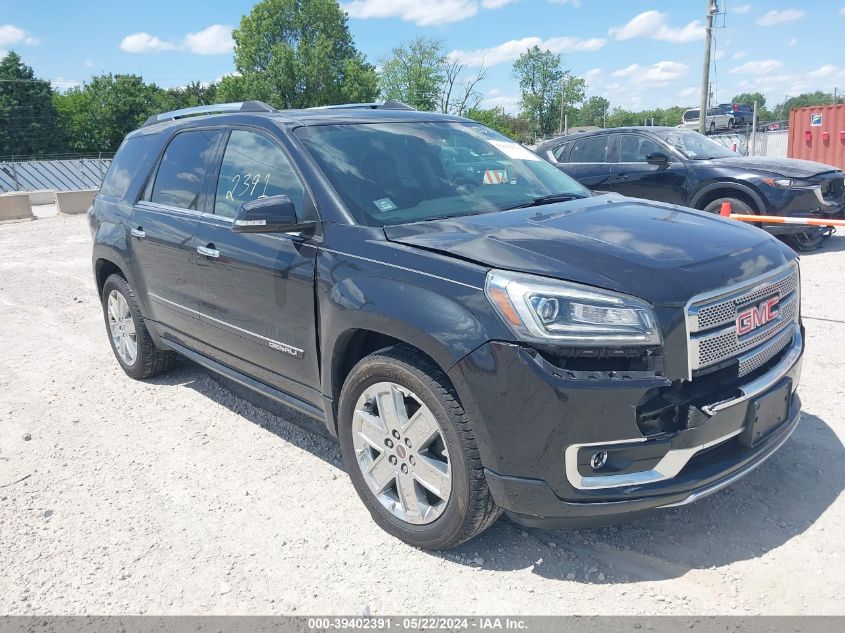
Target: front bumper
x=536, y=430
x=800, y=203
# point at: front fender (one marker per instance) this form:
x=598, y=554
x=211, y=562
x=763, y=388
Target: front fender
x=728, y=186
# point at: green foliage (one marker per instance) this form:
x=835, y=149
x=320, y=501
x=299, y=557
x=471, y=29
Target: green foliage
x=414, y=73
x=97, y=115
x=781, y=110
x=544, y=84
x=594, y=111
x=297, y=54
x=28, y=119
x=495, y=118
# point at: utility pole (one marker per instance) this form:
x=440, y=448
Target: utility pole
x=560, y=128
x=712, y=9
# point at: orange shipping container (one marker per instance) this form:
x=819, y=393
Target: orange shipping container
x=818, y=133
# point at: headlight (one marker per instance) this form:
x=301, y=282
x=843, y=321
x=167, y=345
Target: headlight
x=545, y=310
x=788, y=183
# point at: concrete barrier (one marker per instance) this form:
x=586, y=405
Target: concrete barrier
x=15, y=206
x=42, y=196
x=73, y=202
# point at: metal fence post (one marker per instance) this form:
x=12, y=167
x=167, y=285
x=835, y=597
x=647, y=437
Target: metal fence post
x=15, y=175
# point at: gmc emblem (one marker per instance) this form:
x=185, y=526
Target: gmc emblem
x=755, y=316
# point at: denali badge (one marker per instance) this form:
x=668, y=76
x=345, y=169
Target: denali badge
x=755, y=316
x=287, y=349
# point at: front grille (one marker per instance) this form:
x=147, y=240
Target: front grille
x=711, y=323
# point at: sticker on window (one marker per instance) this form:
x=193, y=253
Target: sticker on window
x=514, y=150
x=495, y=177
x=384, y=204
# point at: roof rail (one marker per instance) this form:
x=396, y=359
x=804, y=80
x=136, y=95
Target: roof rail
x=217, y=108
x=381, y=105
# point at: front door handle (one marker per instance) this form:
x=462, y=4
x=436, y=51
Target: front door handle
x=208, y=251
x=139, y=233
x=622, y=176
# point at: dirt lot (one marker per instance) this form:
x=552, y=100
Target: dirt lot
x=178, y=497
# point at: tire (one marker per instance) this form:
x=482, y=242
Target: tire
x=419, y=517
x=123, y=320
x=737, y=206
x=712, y=127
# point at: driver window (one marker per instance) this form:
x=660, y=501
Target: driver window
x=635, y=148
x=254, y=167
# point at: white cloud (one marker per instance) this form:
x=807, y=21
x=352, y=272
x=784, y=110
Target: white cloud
x=3, y=53
x=792, y=42
x=496, y=98
x=741, y=8
x=758, y=67
x=421, y=12
x=770, y=18
x=144, y=43
x=740, y=54
x=510, y=50
x=689, y=92
x=828, y=70
x=89, y=63
x=842, y=11
x=657, y=74
x=10, y=35
x=652, y=25
x=213, y=40
x=574, y=3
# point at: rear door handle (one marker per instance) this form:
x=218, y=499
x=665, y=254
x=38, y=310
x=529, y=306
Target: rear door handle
x=208, y=251
x=139, y=233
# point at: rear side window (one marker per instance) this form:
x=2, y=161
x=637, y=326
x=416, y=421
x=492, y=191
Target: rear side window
x=180, y=176
x=690, y=115
x=592, y=149
x=132, y=154
x=254, y=167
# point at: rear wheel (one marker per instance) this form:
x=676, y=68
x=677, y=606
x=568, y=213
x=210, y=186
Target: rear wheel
x=130, y=341
x=410, y=451
x=712, y=127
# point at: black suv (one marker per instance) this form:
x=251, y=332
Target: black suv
x=683, y=167
x=478, y=330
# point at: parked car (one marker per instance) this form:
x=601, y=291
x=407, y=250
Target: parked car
x=773, y=126
x=742, y=113
x=479, y=331
x=683, y=167
x=716, y=120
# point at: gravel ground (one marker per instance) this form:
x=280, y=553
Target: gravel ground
x=176, y=496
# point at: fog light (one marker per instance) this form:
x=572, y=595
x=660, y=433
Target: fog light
x=598, y=460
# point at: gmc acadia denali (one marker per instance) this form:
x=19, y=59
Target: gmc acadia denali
x=479, y=331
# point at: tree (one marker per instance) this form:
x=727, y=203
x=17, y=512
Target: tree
x=414, y=73
x=97, y=115
x=749, y=98
x=459, y=94
x=594, y=112
x=297, y=54
x=28, y=119
x=495, y=118
x=781, y=110
x=545, y=88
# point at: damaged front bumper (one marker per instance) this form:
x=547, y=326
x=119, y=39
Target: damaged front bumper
x=544, y=431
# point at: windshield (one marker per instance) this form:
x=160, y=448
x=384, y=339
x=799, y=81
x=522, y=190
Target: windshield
x=694, y=145
x=394, y=173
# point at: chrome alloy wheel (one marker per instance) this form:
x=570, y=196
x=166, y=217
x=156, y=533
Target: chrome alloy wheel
x=122, y=328
x=401, y=452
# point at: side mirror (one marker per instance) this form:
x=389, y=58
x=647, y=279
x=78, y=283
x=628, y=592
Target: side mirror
x=657, y=158
x=274, y=214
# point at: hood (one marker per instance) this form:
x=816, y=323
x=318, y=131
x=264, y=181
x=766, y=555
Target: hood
x=662, y=253
x=788, y=167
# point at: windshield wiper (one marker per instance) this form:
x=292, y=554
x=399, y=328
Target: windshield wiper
x=549, y=199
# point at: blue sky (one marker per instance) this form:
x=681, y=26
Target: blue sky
x=638, y=54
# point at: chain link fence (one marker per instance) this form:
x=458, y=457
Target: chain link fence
x=744, y=143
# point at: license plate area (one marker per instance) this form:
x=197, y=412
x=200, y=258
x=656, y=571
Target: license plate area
x=766, y=413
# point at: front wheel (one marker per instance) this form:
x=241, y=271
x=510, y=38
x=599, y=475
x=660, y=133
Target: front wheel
x=410, y=451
